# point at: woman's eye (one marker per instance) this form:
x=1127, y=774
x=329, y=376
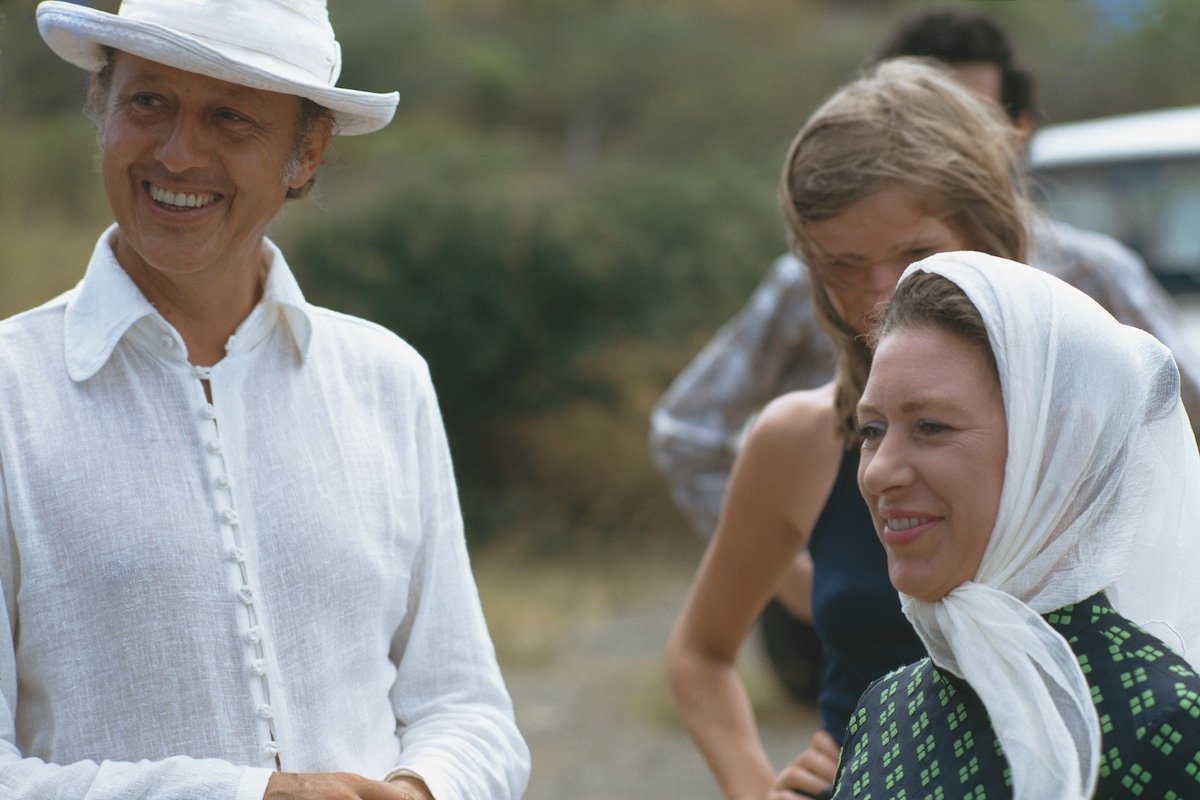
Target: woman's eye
x=927, y=426
x=870, y=431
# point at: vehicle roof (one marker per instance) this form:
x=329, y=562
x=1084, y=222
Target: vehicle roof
x=1130, y=137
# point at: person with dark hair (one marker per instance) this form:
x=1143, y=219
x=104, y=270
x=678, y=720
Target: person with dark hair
x=775, y=344
x=233, y=564
x=1039, y=516
x=976, y=49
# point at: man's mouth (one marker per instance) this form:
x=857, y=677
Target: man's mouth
x=177, y=200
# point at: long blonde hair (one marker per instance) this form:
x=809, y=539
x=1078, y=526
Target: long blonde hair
x=908, y=125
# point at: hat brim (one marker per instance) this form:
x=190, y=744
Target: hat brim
x=78, y=35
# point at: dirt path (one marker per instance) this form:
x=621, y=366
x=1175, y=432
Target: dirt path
x=587, y=682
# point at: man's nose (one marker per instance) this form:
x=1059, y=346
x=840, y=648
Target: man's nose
x=185, y=144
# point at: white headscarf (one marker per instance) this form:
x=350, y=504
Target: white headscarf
x=1101, y=491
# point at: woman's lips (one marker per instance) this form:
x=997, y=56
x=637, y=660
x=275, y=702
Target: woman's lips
x=903, y=528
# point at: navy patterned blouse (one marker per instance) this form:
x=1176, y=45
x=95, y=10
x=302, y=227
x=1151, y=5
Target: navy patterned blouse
x=923, y=734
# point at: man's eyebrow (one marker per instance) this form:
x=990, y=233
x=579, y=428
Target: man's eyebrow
x=231, y=91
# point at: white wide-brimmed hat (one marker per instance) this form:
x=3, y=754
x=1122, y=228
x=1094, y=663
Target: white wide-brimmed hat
x=285, y=46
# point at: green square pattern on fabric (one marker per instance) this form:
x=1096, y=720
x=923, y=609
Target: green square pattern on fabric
x=924, y=734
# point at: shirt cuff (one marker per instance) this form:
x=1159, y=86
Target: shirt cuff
x=253, y=785
x=405, y=772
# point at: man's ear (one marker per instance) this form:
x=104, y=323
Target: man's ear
x=310, y=157
x=98, y=113
x=1026, y=126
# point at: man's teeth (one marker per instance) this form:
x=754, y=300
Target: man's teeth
x=905, y=523
x=167, y=197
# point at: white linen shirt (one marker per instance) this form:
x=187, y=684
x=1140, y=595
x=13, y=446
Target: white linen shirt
x=199, y=593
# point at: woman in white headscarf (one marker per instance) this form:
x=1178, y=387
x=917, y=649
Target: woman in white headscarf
x=1032, y=476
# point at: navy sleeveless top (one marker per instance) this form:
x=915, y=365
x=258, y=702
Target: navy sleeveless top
x=856, y=610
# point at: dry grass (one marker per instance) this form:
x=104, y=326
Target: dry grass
x=532, y=604
x=536, y=609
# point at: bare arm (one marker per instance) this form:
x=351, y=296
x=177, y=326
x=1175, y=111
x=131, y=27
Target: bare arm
x=774, y=496
x=795, y=587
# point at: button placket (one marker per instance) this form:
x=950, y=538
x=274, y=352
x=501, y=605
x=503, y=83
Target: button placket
x=230, y=524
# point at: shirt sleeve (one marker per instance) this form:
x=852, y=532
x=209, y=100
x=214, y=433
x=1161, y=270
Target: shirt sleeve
x=454, y=715
x=27, y=778
x=1118, y=279
x=772, y=346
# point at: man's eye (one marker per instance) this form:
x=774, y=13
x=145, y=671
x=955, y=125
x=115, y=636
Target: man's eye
x=146, y=100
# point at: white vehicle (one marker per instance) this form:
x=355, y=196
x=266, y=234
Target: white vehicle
x=1135, y=177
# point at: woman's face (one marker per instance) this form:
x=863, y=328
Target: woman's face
x=935, y=442
x=864, y=250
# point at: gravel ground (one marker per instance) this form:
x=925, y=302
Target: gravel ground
x=590, y=693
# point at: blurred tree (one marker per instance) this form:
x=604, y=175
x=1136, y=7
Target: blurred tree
x=574, y=194
x=511, y=298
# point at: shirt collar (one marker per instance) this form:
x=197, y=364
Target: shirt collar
x=107, y=302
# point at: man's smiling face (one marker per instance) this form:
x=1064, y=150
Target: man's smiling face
x=195, y=168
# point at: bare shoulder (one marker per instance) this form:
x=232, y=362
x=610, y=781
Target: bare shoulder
x=804, y=418
x=792, y=453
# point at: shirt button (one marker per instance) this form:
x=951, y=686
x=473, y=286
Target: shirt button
x=236, y=555
x=270, y=749
x=222, y=481
x=229, y=517
x=258, y=668
x=264, y=711
x=246, y=595
x=203, y=373
x=214, y=446
x=208, y=411
x=252, y=636
x=167, y=341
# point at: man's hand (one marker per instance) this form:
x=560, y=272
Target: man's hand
x=415, y=788
x=341, y=786
x=813, y=770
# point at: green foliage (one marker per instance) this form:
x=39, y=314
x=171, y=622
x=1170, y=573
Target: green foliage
x=574, y=194
x=516, y=302
x=495, y=302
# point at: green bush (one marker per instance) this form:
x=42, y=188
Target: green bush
x=573, y=195
x=516, y=304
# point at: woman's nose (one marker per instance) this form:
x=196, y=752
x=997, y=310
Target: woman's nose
x=884, y=468
x=884, y=276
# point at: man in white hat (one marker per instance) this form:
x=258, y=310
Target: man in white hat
x=234, y=563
